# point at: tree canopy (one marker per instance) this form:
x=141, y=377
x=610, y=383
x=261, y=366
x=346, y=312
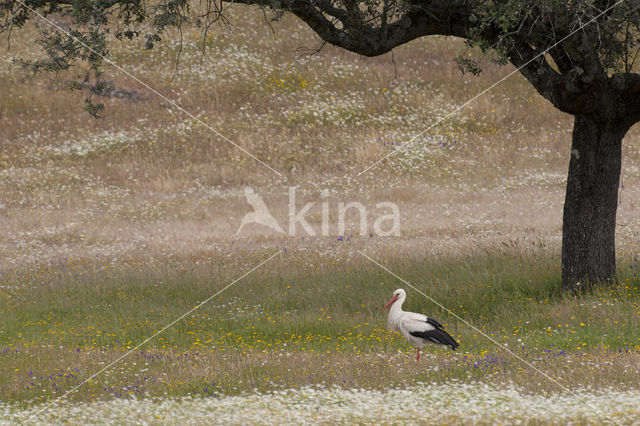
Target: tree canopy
x=599, y=40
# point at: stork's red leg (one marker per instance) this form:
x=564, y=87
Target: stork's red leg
x=418, y=356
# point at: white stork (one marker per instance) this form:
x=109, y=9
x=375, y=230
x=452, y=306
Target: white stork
x=417, y=328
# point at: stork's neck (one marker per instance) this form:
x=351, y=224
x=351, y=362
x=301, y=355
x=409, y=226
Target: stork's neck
x=396, y=308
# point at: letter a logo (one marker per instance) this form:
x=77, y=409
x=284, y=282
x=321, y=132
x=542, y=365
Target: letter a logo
x=260, y=214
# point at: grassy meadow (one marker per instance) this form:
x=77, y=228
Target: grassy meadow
x=114, y=228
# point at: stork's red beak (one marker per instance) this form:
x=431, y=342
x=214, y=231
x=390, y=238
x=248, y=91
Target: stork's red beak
x=389, y=303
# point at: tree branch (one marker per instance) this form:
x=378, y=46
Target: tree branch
x=362, y=36
x=561, y=90
x=627, y=87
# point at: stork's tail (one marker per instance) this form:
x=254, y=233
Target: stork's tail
x=451, y=342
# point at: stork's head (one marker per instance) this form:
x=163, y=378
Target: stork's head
x=398, y=294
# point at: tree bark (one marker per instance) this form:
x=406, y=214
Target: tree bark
x=591, y=202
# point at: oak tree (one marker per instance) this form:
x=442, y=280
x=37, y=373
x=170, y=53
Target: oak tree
x=579, y=55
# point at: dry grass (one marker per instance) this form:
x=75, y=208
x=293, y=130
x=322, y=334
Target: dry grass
x=66, y=187
x=207, y=373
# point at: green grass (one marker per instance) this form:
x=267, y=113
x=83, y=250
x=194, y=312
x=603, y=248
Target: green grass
x=51, y=317
x=497, y=291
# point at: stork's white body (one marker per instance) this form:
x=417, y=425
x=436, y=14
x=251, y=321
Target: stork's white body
x=418, y=329
x=406, y=322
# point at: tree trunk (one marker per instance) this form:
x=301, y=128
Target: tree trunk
x=591, y=203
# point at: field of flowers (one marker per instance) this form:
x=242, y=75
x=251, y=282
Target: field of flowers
x=114, y=228
x=453, y=403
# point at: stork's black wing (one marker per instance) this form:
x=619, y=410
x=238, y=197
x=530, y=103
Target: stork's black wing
x=434, y=323
x=438, y=336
